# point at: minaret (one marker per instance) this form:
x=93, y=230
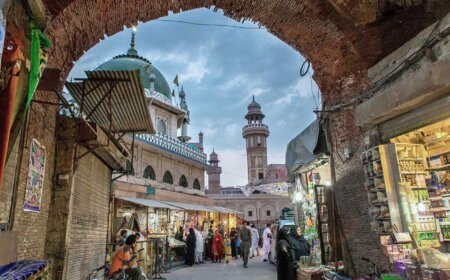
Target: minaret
x=200, y=141
x=255, y=134
x=214, y=171
x=184, y=127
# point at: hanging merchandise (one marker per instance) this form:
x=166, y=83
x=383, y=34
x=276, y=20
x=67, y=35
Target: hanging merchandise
x=9, y=80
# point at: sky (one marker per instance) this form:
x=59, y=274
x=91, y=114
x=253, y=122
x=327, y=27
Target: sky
x=221, y=68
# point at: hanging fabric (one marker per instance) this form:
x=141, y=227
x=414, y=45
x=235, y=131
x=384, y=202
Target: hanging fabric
x=9, y=80
x=38, y=57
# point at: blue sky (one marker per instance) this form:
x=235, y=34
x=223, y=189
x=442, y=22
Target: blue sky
x=220, y=69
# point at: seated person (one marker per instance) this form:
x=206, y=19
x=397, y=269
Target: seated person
x=122, y=256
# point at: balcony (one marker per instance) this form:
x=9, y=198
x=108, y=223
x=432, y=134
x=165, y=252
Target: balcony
x=173, y=145
x=255, y=128
x=255, y=125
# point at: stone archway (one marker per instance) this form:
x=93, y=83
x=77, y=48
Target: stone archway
x=331, y=34
x=340, y=47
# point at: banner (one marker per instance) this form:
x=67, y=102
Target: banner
x=35, y=179
x=274, y=188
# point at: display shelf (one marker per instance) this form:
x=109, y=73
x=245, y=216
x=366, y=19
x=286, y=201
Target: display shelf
x=414, y=173
x=440, y=168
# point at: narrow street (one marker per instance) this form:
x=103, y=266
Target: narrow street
x=257, y=269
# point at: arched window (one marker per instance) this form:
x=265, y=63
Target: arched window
x=161, y=127
x=168, y=178
x=196, y=184
x=183, y=182
x=149, y=173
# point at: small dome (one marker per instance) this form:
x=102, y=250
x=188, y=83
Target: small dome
x=253, y=105
x=213, y=156
x=254, y=109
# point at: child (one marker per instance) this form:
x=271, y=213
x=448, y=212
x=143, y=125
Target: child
x=227, y=246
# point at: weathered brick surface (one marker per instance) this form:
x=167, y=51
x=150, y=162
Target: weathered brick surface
x=31, y=227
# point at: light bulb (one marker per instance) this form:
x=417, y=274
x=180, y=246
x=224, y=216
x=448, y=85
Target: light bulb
x=298, y=196
x=421, y=207
x=134, y=28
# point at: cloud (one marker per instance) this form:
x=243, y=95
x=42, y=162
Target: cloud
x=301, y=89
x=195, y=71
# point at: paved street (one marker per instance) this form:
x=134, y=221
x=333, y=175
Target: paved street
x=257, y=269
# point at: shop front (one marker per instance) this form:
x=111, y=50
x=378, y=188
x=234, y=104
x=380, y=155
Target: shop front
x=408, y=189
x=160, y=223
x=309, y=168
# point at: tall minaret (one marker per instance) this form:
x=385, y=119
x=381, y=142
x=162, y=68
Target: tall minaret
x=214, y=171
x=255, y=134
x=184, y=127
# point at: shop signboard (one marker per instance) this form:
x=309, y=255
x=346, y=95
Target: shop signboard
x=151, y=190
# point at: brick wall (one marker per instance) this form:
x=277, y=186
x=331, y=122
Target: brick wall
x=351, y=195
x=31, y=228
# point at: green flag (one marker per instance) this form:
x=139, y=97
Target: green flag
x=175, y=81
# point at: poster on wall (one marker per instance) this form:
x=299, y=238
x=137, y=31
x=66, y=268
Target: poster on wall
x=35, y=179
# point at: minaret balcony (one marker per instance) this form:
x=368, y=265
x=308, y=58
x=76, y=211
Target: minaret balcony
x=173, y=145
x=255, y=128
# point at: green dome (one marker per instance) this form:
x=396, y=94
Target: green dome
x=131, y=61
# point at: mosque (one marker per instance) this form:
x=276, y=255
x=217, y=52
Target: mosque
x=166, y=165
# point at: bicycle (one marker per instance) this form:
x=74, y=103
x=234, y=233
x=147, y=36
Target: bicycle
x=375, y=274
x=94, y=273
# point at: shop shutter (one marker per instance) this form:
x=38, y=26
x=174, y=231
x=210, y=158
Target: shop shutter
x=89, y=221
x=431, y=113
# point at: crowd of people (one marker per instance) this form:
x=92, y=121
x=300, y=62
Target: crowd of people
x=215, y=245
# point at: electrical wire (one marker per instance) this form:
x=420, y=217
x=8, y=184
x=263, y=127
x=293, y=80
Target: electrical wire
x=211, y=24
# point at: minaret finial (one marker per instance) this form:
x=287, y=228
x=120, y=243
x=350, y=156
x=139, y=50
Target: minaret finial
x=132, y=50
x=253, y=97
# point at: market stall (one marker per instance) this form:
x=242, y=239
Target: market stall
x=309, y=168
x=408, y=189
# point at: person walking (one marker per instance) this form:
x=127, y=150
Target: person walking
x=255, y=239
x=199, y=245
x=217, y=246
x=208, y=243
x=246, y=239
x=227, y=248
x=238, y=243
x=191, y=241
x=233, y=243
x=267, y=240
x=299, y=243
x=286, y=265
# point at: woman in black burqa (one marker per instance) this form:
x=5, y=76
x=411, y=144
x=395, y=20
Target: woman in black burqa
x=299, y=243
x=286, y=265
x=190, y=252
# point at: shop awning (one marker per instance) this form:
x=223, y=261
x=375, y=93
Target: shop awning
x=114, y=100
x=224, y=210
x=149, y=203
x=306, y=147
x=188, y=206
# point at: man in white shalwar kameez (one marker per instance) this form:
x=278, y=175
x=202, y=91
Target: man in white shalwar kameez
x=199, y=244
x=255, y=240
x=267, y=239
